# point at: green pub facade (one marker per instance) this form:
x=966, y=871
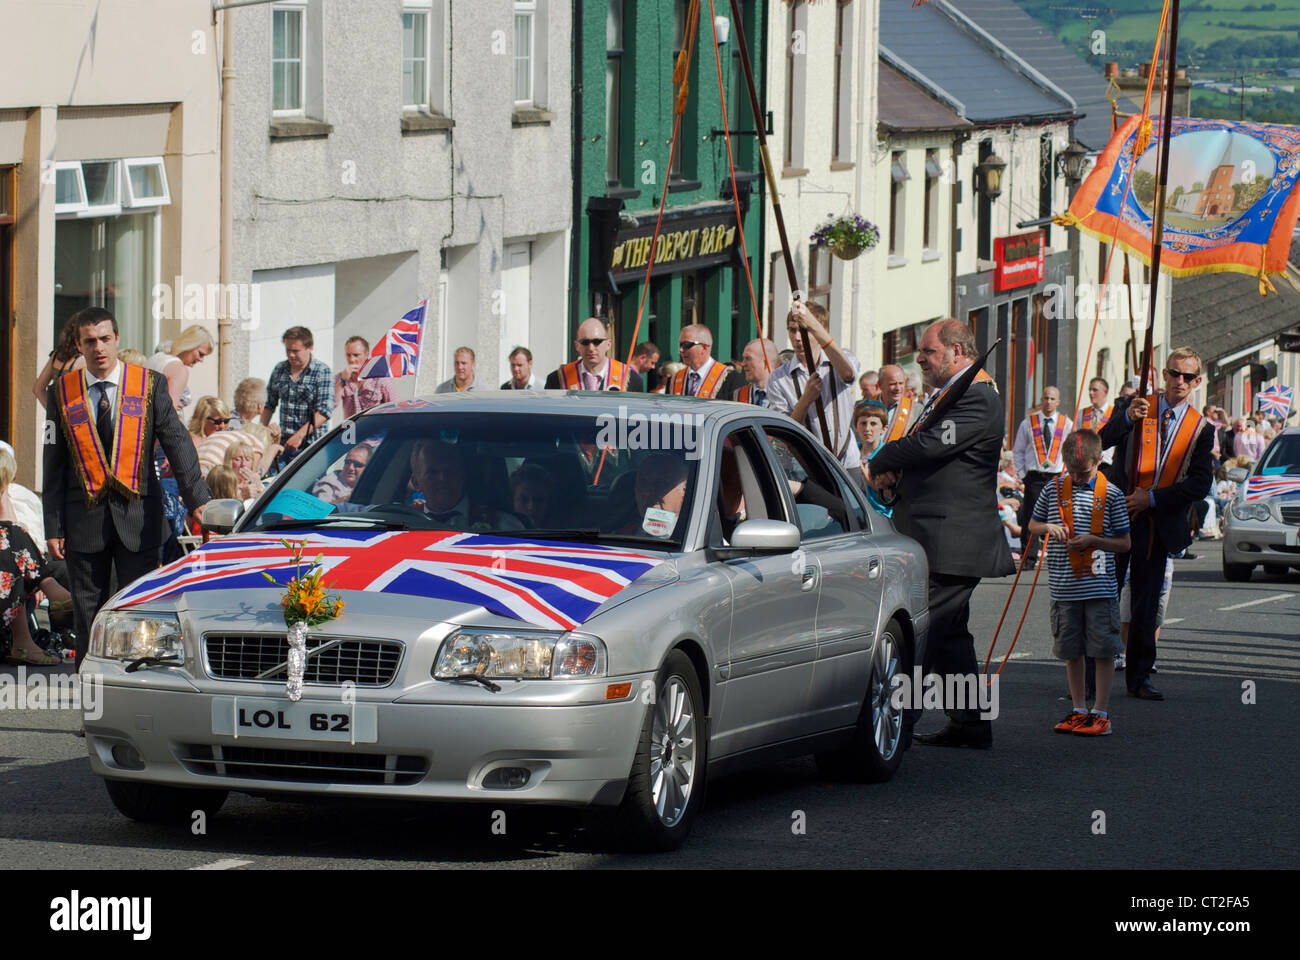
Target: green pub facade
x=624, y=55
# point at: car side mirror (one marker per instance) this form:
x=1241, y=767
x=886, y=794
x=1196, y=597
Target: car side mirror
x=220, y=516
x=760, y=537
x=1238, y=474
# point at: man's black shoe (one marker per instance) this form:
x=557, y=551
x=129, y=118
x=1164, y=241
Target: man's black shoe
x=1146, y=692
x=977, y=734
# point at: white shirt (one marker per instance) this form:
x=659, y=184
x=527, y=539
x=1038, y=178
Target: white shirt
x=837, y=395
x=113, y=379
x=702, y=374
x=593, y=381
x=1026, y=455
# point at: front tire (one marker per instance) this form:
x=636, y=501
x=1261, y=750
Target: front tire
x=665, y=788
x=1237, y=572
x=151, y=803
x=874, y=754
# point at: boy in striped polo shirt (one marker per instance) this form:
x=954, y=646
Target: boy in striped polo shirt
x=1086, y=523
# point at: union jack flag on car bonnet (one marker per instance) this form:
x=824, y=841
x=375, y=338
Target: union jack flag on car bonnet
x=398, y=354
x=548, y=584
x=1276, y=401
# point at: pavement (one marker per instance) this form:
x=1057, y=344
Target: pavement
x=1205, y=779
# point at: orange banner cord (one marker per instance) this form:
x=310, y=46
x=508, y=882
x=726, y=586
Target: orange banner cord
x=681, y=75
x=1140, y=144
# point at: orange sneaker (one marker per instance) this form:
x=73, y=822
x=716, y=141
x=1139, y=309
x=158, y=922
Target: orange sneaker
x=1094, y=726
x=1072, y=723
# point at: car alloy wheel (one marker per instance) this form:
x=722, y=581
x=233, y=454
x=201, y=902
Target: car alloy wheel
x=886, y=718
x=672, y=751
x=874, y=752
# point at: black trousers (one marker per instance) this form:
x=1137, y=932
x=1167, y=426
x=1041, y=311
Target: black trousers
x=950, y=648
x=1034, y=483
x=90, y=580
x=1145, y=563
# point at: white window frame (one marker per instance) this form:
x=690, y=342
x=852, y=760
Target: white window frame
x=129, y=199
x=301, y=10
x=527, y=8
x=104, y=209
x=79, y=205
x=425, y=9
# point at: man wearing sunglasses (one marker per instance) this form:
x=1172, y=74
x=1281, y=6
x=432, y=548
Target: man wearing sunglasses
x=703, y=376
x=1172, y=464
x=594, y=369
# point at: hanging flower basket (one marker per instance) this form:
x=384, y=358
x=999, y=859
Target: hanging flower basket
x=846, y=236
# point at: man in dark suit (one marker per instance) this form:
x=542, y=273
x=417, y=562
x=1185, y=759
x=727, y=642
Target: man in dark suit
x=1183, y=472
x=945, y=475
x=594, y=369
x=102, y=498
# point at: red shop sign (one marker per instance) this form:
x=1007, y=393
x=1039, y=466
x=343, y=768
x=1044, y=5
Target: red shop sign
x=1018, y=260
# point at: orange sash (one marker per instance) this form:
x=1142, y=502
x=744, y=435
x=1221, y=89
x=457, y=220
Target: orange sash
x=707, y=387
x=981, y=377
x=744, y=393
x=1046, y=458
x=1154, y=467
x=571, y=376
x=134, y=394
x=1086, y=418
x=898, y=424
x=1081, y=560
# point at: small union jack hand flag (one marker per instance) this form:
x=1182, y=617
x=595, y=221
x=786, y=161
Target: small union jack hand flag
x=398, y=354
x=1276, y=401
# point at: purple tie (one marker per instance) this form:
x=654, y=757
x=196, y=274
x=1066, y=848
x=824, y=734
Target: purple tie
x=692, y=384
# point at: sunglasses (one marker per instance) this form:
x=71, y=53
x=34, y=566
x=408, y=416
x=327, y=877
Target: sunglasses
x=355, y=464
x=218, y=420
x=687, y=344
x=1187, y=377
x=593, y=341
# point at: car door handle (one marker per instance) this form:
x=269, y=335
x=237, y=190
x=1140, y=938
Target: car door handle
x=809, y=578
x=873, y=568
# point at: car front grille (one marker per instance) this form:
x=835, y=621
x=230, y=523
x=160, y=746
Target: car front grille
x=1291, y=514
x=247, y=656
x=303, y=766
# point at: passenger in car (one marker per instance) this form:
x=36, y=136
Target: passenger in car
x=438, y=472
x=532, y=493
x=660, y=492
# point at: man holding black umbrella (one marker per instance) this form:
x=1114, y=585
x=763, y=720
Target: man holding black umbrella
x=944, y=474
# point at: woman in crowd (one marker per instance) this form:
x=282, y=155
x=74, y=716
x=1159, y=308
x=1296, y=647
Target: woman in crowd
x=241, y=461
x=210, y=416
x=22, y=573
x=173, y=360
x=64, y=358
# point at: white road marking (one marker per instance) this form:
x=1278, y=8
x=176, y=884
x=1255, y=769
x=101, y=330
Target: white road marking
x=1173, y=620
x=1251, y=603
x=223, y=865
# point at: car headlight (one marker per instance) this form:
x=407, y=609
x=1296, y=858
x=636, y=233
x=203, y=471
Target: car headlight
x=126, y=636
x=1251, y=510
x=519, y=655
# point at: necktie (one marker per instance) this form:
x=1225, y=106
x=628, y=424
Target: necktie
x=760, y=397
x=104, y=418
x=692, y=384
x=1166, y=419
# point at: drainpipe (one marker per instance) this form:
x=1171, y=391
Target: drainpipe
x=224, y=339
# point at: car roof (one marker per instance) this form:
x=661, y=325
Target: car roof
x=580, y=402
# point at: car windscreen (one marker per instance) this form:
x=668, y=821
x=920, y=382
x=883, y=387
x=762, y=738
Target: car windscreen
x=560, y=477
x=1282, y=456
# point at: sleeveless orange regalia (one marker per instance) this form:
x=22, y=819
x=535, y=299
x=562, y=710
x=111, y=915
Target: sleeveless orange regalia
x=134, y=394
x=571, y=376
x=981, y=377
x=744, y=393
x=707, y=385
x=1045, y=457
x=1086, y=422
x=1081, y=560
x=1154, y=467
x=898, y=425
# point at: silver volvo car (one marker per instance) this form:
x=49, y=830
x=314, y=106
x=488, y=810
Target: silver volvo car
x=553, y=598
x=1262, y=525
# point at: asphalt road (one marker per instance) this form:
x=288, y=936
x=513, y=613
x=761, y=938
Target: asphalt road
x=1201, y=780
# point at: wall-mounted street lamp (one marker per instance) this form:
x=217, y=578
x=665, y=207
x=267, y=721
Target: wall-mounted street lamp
x=988, y=173
x=723, y=27
x=1071, y=160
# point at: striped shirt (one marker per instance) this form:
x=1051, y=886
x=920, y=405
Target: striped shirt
x=1114, y=523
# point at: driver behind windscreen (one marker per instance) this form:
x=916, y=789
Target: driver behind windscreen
x=660, y=492
x=438, y=472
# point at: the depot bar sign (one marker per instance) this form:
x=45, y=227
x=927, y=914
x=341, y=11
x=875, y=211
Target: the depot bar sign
x=1018, y=260
x=684, y=243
